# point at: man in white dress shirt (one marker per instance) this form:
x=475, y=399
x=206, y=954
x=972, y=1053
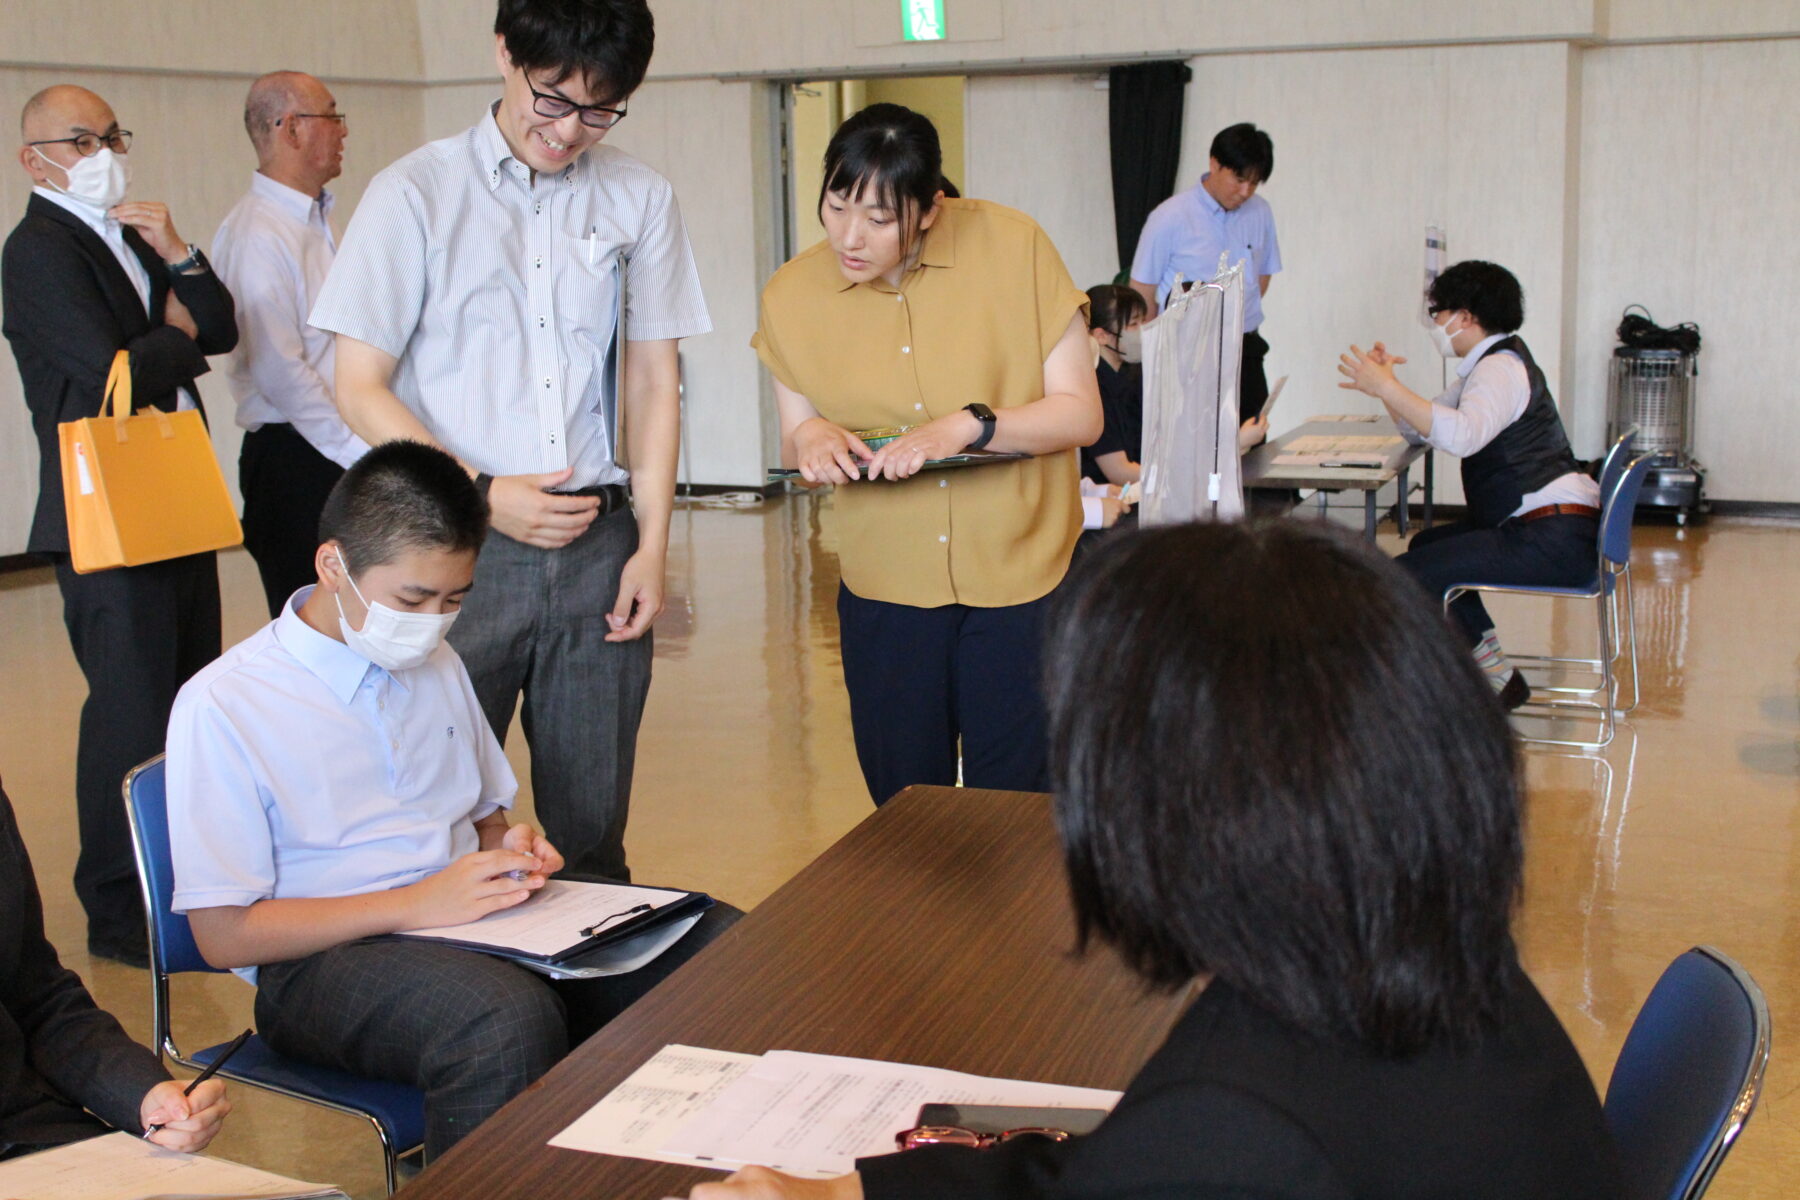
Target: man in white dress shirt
x=274, y=250
x=476, y=299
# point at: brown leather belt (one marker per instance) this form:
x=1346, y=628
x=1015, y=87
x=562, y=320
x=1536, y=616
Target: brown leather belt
x=1560, y=510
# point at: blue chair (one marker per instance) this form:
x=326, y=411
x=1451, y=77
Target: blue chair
x=1688, y=1076
x=397, y=1111
x=1611, y=576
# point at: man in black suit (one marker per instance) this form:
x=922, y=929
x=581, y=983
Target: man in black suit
x=67, y=1071
x=82, y=277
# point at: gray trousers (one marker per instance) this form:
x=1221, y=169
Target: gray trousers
x=536, y=623
x=468, y=1029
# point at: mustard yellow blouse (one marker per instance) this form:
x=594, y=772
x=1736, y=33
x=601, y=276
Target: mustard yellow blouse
x=974, y=323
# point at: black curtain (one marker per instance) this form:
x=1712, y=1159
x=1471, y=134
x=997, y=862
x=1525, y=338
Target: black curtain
x=1144, y=105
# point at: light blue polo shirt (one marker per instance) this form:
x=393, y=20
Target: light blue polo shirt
x=297, y=768
x=1186, y=233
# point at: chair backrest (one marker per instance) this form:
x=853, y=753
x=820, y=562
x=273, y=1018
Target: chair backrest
x=1619, y=509
x=1688, y=1075
x=1617, y=456
x=172, y=946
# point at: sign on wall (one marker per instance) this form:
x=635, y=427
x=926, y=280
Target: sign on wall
x=922, y=20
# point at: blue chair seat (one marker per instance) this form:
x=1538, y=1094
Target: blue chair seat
x=395, y=1105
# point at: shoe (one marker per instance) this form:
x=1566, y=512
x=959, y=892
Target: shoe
x=1516, y=691
x=130, y=953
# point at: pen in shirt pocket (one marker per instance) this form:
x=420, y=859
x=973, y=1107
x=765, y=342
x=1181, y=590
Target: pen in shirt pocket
x=593, y=242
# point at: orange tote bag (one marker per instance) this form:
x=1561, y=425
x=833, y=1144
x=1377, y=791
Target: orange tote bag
x=141, y=488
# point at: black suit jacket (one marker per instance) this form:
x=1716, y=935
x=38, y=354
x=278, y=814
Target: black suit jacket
x=1238, y=1104
x=68, y=308
x=59, y=1052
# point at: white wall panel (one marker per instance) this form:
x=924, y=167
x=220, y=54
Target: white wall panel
x=1039, y=143
x=1691, y=206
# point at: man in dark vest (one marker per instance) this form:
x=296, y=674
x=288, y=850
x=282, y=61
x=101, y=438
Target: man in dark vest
x=1533, y=514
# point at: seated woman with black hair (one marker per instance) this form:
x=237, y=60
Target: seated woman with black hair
x=1533, y=513
x=1236, y=809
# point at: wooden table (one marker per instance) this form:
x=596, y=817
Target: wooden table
x=1261, y=471
x=937, y=932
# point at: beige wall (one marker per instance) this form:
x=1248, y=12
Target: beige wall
x=1608, y=172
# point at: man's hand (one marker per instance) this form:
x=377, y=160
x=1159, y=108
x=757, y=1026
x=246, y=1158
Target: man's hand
x=760, y=1183
x=828, y=453
x=907, y=454
x=152, y=221
x=640, y=599
x=523, y=508
x=1381, y=354
x=472, y=887
x=1253, y=432
x=523, y=838
x=176, y=313
x=188, y=1122
x=1369, y=372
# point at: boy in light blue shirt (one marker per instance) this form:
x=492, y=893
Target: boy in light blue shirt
x=332, y=780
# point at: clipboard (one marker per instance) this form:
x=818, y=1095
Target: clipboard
x=549, y=927
x=875, y=439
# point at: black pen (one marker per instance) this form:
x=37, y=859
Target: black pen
x=237, y=1044
x=603, y=922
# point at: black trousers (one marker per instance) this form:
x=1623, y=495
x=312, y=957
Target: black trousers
x=285, y=482
x=1552, y=552
x=138, y=633
x=468, y=1029
x=1253, y=381
x=923, y=679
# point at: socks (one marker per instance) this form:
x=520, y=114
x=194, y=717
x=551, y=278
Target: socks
x=1492, y=660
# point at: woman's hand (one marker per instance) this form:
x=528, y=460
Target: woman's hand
x=188, y=1122
x=828, y=453
x=907, y=454
x=760, y=1183
x=1253, y=432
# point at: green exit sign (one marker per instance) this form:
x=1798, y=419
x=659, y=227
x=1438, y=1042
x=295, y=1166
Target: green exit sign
x=922, y=20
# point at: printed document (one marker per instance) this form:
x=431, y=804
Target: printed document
x=811, y=1115
x=121, y=1167
x=552, y=920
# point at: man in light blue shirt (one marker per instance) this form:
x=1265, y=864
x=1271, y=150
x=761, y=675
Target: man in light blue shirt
x=1186, y=234
x=332, y=779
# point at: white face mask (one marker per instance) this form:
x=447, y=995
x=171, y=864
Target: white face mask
x=1440, y=337
x=1131, y=344
x=99, y=181
x=392, y=640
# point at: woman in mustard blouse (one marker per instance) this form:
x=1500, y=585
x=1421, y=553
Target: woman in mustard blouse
x=957, y=320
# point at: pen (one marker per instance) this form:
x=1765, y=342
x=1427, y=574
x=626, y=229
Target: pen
x=591, y=930
x=237, y=1044
x=593, y=238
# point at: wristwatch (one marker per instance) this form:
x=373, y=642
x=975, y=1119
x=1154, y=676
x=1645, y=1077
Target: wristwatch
x=194, y=259
x=989, y=422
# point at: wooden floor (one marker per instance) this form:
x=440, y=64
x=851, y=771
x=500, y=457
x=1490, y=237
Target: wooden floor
x=1686, y=830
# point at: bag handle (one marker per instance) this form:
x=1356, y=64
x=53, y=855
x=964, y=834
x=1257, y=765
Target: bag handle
x=118, y=400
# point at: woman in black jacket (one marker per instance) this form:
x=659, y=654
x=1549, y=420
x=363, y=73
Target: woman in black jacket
x=1278, y=772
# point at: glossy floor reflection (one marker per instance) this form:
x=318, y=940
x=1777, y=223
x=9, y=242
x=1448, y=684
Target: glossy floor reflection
x=1686, y=830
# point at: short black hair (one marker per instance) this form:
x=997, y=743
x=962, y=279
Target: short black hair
x=1487, y=291
x=402, y=496
x=1245, y=150
x=1275, y=762
x=1113, y=306
x=895, y=151
x=607, y=42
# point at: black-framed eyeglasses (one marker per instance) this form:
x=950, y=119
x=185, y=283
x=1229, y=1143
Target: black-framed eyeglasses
x=341, y=118
x=594, y=116
x=88, y=144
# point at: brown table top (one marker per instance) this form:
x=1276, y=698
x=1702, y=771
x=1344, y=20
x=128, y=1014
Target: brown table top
x=1261, y=471
x=937, y=932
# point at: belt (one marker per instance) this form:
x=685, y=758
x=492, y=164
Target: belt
x=1560, y=510
x=613, y=496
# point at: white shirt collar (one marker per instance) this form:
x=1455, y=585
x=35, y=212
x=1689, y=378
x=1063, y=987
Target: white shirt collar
x=498, y=157
x=340, y=668
x=92, y=217
x=1475, y=352
x=295, y=203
